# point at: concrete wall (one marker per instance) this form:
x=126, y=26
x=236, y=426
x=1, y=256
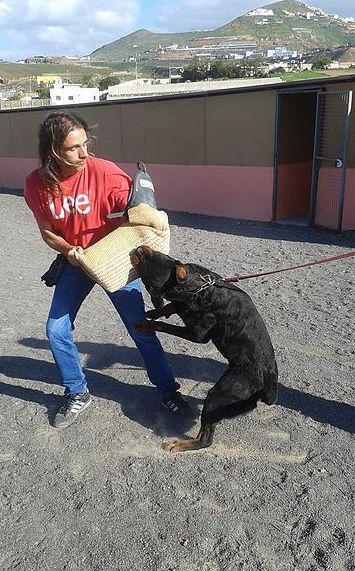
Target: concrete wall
x=211, y=154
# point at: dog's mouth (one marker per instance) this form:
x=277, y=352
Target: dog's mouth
x=140, y=254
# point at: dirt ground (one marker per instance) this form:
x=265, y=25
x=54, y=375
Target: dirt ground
x=276, y=489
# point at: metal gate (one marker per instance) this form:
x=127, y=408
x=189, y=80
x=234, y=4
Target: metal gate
x=329, y=158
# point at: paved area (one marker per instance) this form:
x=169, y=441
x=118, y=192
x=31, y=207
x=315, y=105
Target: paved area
x=275, y=491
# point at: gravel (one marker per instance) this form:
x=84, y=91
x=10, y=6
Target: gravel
x=276, y=489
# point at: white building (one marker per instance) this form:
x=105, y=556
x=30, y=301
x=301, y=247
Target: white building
x=70, y=93
x=280, y=52
x=137, y=89
x=235, y=57
x=261, y=12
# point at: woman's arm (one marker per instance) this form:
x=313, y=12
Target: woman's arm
x=56, y=242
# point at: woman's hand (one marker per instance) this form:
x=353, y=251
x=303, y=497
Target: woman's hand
x=71, y=255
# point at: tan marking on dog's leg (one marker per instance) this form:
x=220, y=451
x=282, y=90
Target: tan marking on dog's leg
x=183, y=445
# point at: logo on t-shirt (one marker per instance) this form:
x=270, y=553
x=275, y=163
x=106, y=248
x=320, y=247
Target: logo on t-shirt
x=70, y=205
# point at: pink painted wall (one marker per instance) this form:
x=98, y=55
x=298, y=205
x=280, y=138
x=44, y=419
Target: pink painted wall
x=349, y=202
x=14, y=171
x=232, y=191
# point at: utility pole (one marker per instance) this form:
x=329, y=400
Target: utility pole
x=136, y=59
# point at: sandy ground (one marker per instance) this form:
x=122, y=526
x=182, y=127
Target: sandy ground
x=276, y=489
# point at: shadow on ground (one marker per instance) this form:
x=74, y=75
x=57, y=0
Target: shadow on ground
x=251, y=229
x=11, y=191
x=139, y=403
x=102, y=356
x=266, y=230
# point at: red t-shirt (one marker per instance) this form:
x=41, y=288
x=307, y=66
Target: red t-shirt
x=79, y=215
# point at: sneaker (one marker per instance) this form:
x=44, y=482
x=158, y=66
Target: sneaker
x=73, y=406
x=175, y=402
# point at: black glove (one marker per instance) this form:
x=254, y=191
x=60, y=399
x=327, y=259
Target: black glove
x=51, y=276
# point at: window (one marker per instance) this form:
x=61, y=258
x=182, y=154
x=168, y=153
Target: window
x=57, y=97
x=71, y=97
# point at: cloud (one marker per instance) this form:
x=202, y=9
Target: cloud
x=52, y=12
x=65, y=27
x=4, y=7
x=55, y=35
x=184, y=15
x=110, y=20
x=69, y=27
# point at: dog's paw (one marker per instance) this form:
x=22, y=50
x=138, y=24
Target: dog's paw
x=143, y=327
x=169, y=446
x=181, y=445
x=152, y=314
x=147, y=326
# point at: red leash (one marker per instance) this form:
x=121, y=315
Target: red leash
x=239, y=277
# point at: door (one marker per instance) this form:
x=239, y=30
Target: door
x=329, y=158
x=296, y=119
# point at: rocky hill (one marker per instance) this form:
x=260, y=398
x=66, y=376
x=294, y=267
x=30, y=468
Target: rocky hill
x=287, y=23
x=294, y=23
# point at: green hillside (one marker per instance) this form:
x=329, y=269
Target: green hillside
x=74, y=72
x=293, y=30
x=144, y=40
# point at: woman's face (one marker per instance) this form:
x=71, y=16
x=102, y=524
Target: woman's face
x=74, y=150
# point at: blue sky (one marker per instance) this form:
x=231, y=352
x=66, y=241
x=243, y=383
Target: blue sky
x=69, y=27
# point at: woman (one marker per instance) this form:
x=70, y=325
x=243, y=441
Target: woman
x=71, y=195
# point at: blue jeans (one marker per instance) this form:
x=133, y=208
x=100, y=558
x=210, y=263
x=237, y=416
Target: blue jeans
x=72, y=288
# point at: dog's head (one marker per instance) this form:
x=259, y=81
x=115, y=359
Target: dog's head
x=158, y=272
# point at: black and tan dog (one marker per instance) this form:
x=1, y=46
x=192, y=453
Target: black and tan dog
x=211, y=310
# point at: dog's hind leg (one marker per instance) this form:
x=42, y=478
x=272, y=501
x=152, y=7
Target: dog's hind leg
x=236, y=392
x=202, y=440
x=269, y=392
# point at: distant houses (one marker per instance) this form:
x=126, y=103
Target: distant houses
x=71, y=93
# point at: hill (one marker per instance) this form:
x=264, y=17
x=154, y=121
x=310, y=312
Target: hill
x=286, y=23
x=14, y=71
x=347, y=55
x=145, y=41
x=293, y=23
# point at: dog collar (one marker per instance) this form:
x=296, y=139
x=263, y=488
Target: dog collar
x=207, y=282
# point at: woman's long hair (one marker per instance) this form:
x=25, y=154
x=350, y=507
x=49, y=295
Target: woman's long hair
x=51, y=135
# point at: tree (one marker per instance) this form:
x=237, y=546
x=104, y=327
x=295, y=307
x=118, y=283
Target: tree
x=105, y=82
x=196, y=71
x=91, y=80
x=277, y=71
x=15, y=96
x=321, y=62
x=159, y=72
x=222, y=69
x=43, y=92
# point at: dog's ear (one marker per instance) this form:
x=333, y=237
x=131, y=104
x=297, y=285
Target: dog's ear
x=181, y=273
